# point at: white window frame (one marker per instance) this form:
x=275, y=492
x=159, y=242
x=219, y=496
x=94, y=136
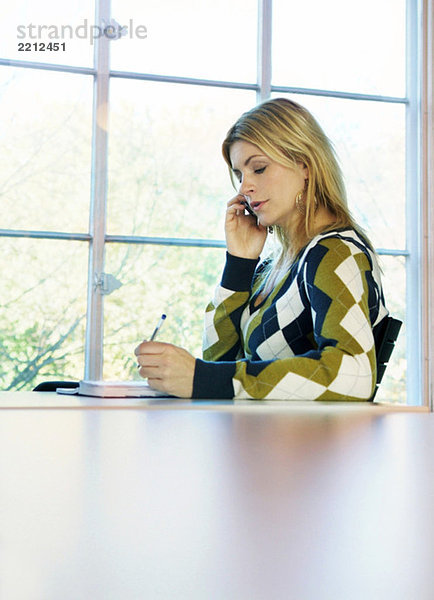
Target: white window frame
x=427, y=202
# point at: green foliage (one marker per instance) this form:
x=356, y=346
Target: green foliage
x=36, y=353
x=42, y=311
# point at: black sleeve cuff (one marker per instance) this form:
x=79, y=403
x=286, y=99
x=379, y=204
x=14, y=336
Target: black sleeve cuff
x=238, y=273
x=213, y=380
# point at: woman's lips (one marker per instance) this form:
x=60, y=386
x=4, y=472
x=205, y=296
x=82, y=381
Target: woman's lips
x=257, y=205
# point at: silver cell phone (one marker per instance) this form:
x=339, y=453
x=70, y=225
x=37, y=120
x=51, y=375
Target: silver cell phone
x=249, y=210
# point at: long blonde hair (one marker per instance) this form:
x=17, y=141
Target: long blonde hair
x=287, y=133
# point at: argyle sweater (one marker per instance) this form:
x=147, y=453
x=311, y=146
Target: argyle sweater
x=310, y=339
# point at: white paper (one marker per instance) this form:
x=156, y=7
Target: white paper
x=115, y=389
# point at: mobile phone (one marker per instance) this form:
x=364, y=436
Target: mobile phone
x=249, y=210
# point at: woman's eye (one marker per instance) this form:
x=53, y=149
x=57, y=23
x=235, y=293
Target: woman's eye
x=259, y=171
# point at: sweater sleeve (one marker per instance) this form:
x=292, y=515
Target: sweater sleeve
x=222, y=339
x=342, y=366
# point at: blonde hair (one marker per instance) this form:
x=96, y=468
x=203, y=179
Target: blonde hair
x=287, y=133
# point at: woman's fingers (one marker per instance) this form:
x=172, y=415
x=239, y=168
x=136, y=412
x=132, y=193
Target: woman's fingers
x=245, y=237
x=167, y=367
x=237, y=215
x=146, y=347
x=150, y=358
x=238, y=203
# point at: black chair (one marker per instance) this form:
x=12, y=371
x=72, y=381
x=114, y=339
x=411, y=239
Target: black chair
x=385, y=336
x=51, y=386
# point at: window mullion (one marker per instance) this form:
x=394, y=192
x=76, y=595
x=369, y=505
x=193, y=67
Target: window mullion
x=264, y=49
x=98, y=202
x=427, y=110
x=413, y=207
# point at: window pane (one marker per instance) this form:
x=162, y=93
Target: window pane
x=70, y=24
x=369, y=138
x=167, y=176
x=42, y=311
x=210, y=40
x=157, y=279
x=393, y=386
x=340, y=45
x=45, y=150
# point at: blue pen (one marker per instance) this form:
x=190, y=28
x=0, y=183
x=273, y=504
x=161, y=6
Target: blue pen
x=156, y=330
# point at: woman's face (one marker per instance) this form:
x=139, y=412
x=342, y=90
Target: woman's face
x=269, y=187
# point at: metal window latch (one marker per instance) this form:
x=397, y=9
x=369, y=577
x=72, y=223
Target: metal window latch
x=106, y=283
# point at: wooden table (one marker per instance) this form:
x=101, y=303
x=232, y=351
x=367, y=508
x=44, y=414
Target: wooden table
x=136, y=500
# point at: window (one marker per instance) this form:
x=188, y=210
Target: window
x=113, y=177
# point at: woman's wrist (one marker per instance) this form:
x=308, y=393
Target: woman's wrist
x=246, y=255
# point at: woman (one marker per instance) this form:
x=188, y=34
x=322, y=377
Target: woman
x=299, y=325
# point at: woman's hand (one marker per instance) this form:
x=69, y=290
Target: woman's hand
x=169, y=369
x=245, y=237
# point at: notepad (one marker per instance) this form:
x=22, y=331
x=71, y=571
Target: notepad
x=114, y=389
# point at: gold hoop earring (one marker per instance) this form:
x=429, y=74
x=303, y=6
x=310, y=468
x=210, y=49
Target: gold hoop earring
x=300, y=201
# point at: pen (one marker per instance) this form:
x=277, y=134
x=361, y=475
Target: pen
x=159, y=324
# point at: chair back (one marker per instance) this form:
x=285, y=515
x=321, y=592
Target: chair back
x=385, y=336
x=51, y=386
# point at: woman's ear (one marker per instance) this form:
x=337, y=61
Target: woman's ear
x=305, y=170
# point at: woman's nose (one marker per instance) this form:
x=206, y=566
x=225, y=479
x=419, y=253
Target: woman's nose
x=246, y=186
